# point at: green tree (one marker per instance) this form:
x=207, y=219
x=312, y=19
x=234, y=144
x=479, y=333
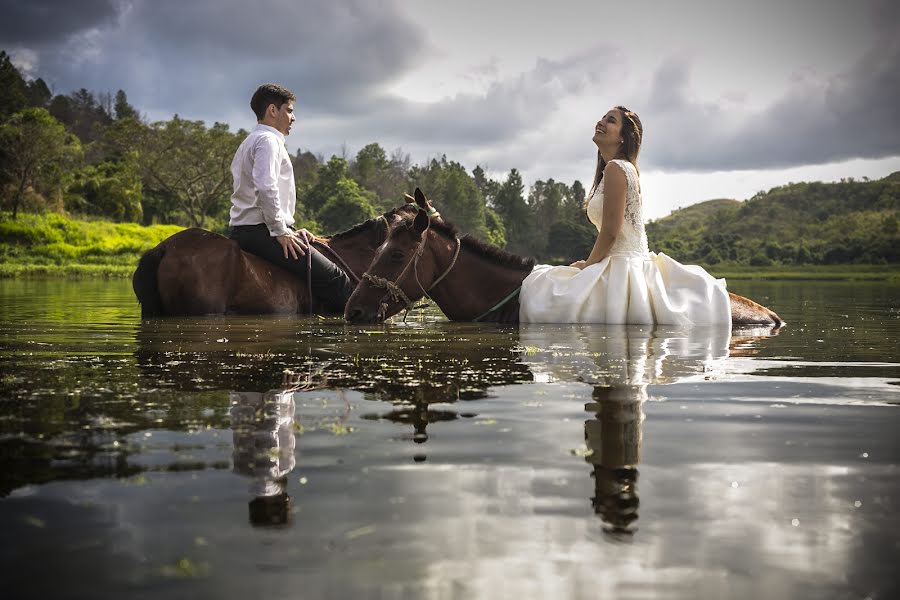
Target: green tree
x=325, y=188
x=517, y=218
x=546, y=201
x=122, y=109
x=13, y=89
x=496, y=232
x=36, y=151
x=186, y=167
x=109, y=189
x=82, y=114
x=347, y=206
x=453, y=191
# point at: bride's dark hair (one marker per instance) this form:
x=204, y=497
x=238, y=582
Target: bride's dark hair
x=632, y=134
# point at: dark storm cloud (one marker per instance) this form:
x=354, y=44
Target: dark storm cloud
x=855, y=114
x=499, y=120
x=27, y=22
x=204, y=59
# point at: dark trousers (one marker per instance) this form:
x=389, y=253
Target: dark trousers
x=330, y=285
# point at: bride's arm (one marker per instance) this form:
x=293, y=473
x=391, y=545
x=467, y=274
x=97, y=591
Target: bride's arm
x=614, y=188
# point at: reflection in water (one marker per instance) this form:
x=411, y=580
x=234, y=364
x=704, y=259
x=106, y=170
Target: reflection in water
x=620, y=361
x=614, y=440
x=263, y=429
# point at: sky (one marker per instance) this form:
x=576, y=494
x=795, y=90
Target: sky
x=735, y=97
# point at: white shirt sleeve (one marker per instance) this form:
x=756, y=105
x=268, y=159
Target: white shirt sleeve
x=266, y=165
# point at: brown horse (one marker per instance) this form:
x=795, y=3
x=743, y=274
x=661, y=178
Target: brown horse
x=467, y=278
x=197, y=272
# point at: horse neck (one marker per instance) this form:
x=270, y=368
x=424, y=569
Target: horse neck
x=356, y=248
x=462, y=295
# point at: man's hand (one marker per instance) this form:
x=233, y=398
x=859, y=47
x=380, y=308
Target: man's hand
x=292, y=244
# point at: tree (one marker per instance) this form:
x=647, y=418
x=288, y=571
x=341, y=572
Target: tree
x=453, y=191
x=122, y=109
x=570, y=240
x=13, y=95
x=81, y=113
x=546, y=200
x=186, y=167
x=109, y=189
x=347, y=206
x=325, y=188
x=517, y=218
x=35, y=150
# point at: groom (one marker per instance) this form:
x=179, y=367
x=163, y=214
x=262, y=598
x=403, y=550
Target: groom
x=264, y=199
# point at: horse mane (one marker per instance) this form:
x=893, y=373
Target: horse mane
x=361, y=226
x=482, y=248
x=352, y=231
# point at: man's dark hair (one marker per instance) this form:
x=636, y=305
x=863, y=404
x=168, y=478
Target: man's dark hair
x=269, y=93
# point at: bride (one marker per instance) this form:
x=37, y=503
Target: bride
x=621, y=281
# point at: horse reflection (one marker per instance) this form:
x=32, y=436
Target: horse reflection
x=621, y=362
x=264, y=444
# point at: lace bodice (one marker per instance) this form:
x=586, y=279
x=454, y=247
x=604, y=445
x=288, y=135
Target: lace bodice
x=633, y=238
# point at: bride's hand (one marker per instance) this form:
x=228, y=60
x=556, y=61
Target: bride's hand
x=579, y=264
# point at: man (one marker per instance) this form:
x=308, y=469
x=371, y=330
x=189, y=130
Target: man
x=264, y=199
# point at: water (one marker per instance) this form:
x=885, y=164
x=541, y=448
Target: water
x=435, y=460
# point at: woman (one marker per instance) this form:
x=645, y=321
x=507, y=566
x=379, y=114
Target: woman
x=621, y=281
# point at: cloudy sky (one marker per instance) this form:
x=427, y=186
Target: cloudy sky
x=735, y=97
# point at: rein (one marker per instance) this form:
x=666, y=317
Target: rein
x=337, y=256
x=309, y=241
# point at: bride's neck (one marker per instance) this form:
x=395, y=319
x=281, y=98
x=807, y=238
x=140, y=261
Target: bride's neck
x=609, y=154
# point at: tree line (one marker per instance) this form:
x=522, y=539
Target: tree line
x=95, y=154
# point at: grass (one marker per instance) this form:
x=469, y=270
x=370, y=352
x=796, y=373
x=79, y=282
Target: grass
x=54, y=245
x=810, y=272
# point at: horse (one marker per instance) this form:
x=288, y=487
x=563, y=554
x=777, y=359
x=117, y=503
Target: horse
x=198, y=272
x=467, y=278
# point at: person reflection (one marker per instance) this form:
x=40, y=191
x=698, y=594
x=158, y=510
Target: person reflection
x=621, y=361
x=263, y=431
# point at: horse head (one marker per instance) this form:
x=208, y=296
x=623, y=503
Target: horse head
x=401, y=272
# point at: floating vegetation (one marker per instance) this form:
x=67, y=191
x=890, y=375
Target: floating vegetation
x=185, y=568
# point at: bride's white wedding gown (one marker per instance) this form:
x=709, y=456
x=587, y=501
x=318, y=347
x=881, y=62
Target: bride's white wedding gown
x=631, y=285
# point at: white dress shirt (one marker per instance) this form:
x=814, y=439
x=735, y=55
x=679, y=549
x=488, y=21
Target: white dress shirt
x=264, y=190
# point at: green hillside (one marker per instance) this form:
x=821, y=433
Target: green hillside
x=849, y=222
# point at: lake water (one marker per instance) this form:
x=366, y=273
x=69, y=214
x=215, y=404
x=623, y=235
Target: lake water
x=429, y=459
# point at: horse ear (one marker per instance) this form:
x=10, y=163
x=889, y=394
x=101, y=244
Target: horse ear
x=421, y=200
x=421, y=222
x=409, y=199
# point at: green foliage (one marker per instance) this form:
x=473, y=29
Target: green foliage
x=509, y=203
x=570, y=240
x=347, y=206
x=111, y=189
x=455, y=192
x=53, y=243
x=13, y=97
x=496, y=231
x=185, y=168
x=35, y=151
x=796, y=224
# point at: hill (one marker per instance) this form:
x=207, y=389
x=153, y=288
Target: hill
x=848, y=222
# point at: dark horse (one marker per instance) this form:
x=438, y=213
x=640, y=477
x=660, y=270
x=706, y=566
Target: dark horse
x=197, y=272
x=467, y=278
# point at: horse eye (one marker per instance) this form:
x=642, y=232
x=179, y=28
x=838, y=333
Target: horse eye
x=397, y=256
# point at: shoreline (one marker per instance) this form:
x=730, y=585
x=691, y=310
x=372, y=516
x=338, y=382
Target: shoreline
x=888, y=273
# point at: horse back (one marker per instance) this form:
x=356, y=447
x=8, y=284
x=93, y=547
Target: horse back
x=745, y=311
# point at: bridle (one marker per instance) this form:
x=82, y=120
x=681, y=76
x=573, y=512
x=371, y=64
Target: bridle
x=310, y=240
x=340, y=260
x=393, y=289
